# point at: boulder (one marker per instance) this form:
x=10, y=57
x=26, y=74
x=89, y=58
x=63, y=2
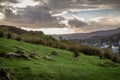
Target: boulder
x=14, y=55
x=34, y=55
x=11, y=55
x=24, y=56
x=2, y=54
x=54, y=53
x=5, y=72
x=47, y=57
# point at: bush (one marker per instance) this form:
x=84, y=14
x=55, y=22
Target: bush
x=18, y=38
x=1, y=34
x=116, y=58
x=109, y=55
x=76, y=54
x=2, y=54
x=102, y=55
x=9, y=36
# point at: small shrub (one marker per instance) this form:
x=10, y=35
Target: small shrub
x=109, y=55
x=76, y=54
x=18, y=38
x=9, y=36
x=2, y=54
x=102, y=54
x=1, y=34
x=116, y=58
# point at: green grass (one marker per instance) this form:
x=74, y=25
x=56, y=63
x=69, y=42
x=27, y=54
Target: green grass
x=64, y=66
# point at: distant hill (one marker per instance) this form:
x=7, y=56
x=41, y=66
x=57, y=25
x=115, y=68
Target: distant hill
x=103, y=38
x=18, y=31
x=89, y=35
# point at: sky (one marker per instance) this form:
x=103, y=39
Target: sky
x=61, y=16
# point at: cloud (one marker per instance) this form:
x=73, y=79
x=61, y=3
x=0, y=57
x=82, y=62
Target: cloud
x=54, y=13
x=77, y=23
x=25, y=3
x=52, y=30
x=82, y=4
x=32, y=16
x=59, y=5
x=97, y=23
x=11, y=1
x=2, y=16
x=107, y=21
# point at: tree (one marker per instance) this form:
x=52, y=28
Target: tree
x=9, y=36
x=119, y=49
x=76, y=54
x=60, y=37
x=1, y=34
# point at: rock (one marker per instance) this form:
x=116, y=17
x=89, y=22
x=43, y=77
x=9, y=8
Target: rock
x=5, y=72
x=47, y=57
x=2, y=54
x=34, y=55
x=24, y=56
x=14, y=55
x=11, y=55
x=54, y=53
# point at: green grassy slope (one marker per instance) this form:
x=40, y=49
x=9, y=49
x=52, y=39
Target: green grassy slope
x=64, y=66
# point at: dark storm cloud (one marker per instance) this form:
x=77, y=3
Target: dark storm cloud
x=63, y=4
x=1, y=8
x=10, y=15
x=8, y=1
x=77, y=23
x=98, y=1
x=11, y=1
x=40, y=14
x=27, y=14
x=32, y=16
x=43, y=11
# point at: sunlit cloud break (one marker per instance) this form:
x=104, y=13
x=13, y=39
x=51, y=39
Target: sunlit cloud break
x=52, y=31
x=25, y=3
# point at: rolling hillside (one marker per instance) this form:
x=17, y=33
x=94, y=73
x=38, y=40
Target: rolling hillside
x=90, y=35
x=63, y=67
x=100, y=39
